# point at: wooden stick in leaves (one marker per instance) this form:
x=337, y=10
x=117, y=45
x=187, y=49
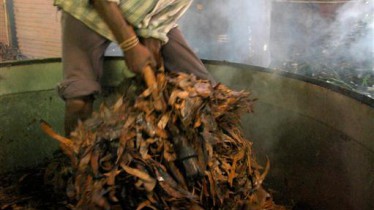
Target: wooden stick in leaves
x=65, y=143
x=150, y=80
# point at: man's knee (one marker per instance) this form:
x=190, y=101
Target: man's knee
x=76, y=109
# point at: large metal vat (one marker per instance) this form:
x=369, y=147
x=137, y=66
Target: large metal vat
x=319, y=138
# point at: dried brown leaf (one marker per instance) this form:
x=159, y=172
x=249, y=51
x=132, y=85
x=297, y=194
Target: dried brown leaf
x=177, y=94
x=118, y=104
x=149, y=182
x=145, y=204
x=164, y=120
x=233, y=173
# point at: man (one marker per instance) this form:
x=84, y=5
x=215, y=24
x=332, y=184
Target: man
x=145, y=31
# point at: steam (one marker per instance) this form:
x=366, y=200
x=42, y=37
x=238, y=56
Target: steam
x=272, y=33
x=355, y=22
x=236, y=31
x=347, y=37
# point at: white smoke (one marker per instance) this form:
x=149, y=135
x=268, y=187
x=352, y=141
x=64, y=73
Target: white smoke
x=355, y=24
x=257, y=31
x=236, y=31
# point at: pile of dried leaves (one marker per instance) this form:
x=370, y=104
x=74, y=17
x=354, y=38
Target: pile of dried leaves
x=190, y=154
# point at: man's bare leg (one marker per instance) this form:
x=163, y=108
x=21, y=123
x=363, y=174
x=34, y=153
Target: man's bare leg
x=77, y=109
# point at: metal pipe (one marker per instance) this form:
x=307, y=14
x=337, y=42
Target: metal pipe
x=11, y=23
x=6, y=22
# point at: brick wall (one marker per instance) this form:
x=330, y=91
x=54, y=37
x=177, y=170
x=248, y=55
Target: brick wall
x=38, y=30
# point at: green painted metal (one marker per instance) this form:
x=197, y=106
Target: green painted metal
x=28, y=95
x=37, y=76
x=319, y=141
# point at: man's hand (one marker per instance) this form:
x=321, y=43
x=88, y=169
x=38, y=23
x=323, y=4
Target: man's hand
x=154, y=46
x=139, y=57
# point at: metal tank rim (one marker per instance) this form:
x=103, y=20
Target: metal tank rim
x=346, y=92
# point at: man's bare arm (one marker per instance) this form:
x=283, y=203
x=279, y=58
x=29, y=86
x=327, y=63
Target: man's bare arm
x=111, y=14
x=137, y=56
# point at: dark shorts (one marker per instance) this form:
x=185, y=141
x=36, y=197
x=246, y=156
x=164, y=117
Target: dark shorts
x=83, y=55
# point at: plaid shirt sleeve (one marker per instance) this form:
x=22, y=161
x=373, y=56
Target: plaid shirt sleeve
x=150, y=18
x=162, y=19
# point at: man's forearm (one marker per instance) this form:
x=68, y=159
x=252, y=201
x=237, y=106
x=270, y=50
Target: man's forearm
x=111, y=14
x=136, y=55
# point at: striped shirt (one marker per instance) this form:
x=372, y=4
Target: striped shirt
x=150, y=18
